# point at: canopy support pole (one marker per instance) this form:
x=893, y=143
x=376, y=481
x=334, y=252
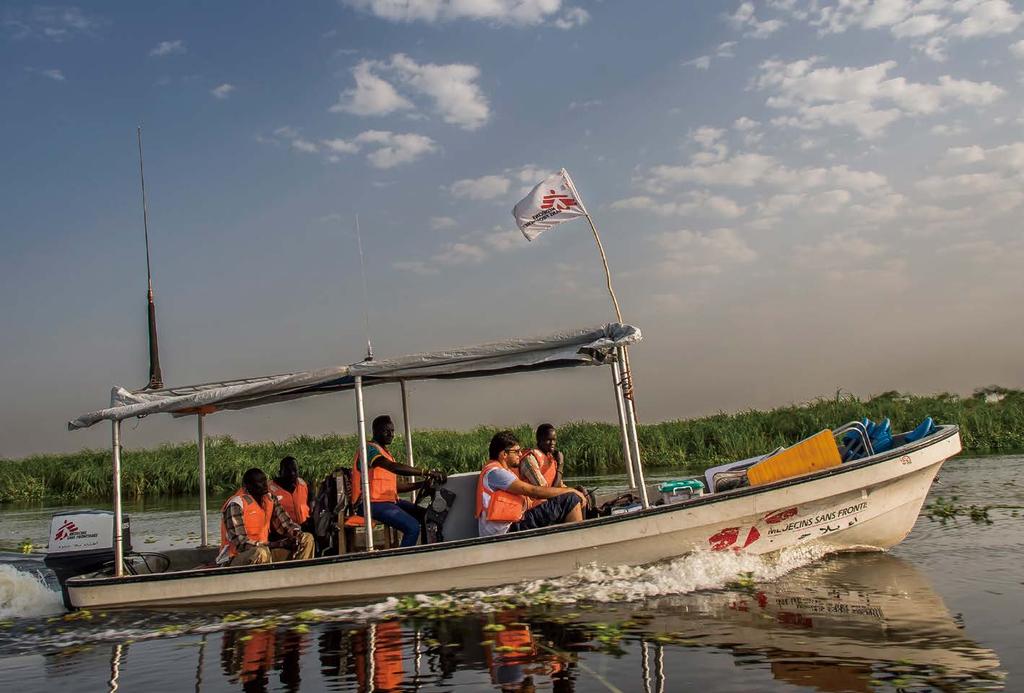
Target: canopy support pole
x=641, y=485
x=204, y=535
x=407, y=426
x=364, y=470
x=627, y=455
x=118, y=546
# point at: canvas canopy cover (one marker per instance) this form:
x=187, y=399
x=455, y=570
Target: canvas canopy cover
x=582, y=347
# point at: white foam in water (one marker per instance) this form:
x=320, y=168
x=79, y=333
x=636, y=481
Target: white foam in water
x=25, y=594
x=21, y=594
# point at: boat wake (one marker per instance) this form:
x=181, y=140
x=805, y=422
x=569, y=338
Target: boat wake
x=622, y=584
x=25, y=595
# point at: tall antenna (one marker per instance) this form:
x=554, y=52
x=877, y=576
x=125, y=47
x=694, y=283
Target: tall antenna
x=156, y=379
x=366, y=296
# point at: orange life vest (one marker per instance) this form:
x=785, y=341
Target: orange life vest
x=257, y=518
x=257, y=655
x=295, y=503
x=548, y=466
x=502, y=506
x=388, y=668
x=383, y=484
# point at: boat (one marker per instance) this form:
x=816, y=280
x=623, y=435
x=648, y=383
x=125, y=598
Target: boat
x=865, y=504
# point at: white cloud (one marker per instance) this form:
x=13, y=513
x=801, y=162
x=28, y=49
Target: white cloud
x=866, y=99
x=572, y=18
x=703, y=62
x=305, y=146
x=394, y=149
x=50, y=73
x=744, y=19
x=452, y=88
x=750, y=169
x=1008, y=157
x=340, y=146
x=986, y=18
x=687, y=252
x=695, y=204
x=927, y=24
x=966, y=184
x=1018, y=49
x=442, y=223
x=484, y=188
x=745, y=124
x=169, y=48
x=372, y=96
x=222, y=91
x=948, y=129
x=49, y=22
x=919, y=25
x=510, y=12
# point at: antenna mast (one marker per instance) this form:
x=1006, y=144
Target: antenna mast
x=366, y=297
x=156, y=379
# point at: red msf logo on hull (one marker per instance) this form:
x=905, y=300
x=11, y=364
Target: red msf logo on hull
x=729, y=536
x=65, y=530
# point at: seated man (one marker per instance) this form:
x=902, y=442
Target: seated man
x=291, y=491
x=247, y=518
x=542, y=466
x=502, y=500
x=385, y=505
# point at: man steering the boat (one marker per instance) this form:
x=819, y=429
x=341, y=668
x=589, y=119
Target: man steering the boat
x=503, y=500
x=542, y=466
x=385, y=505
x=246, y=520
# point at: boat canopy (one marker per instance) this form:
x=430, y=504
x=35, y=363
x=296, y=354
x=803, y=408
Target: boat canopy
x=581, y=347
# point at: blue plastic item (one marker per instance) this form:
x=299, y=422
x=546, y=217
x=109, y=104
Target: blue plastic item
x=925, y=428
x=881, y=436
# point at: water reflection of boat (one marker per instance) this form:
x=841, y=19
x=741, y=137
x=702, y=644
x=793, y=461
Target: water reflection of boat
x=868, y=503
x=832, y=626
x=839, y=625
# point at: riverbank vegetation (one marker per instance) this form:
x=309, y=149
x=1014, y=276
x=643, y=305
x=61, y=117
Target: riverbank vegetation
x=991, y=421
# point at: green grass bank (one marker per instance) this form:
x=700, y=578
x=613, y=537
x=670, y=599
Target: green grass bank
x=987, y=427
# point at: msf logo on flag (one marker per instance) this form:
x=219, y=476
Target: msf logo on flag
x=551, y=202
x=557, y=202
x=66, y=530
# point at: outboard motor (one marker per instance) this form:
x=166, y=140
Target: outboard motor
x=82, y=541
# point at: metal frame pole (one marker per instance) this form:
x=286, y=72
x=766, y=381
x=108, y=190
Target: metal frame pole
x=363, y=466
x=118, y=546
x=627, y=455
x=407, y=426
x=635, y=439
x=204, y=534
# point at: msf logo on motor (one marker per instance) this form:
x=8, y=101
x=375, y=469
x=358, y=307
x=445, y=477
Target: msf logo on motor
x=69, y=530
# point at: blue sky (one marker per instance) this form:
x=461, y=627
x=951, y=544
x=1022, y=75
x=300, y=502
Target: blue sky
x=796, y=196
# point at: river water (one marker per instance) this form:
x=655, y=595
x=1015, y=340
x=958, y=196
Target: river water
x=942, y=611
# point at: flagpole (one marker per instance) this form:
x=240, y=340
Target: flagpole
x=627, y=371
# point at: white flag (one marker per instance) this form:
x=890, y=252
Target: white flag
x=553, y=201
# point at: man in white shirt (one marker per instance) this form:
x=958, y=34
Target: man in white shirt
x=502, y=498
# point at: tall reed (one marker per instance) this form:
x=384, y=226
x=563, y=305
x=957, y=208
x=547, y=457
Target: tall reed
x=590, y=448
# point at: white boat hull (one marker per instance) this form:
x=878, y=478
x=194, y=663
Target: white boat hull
x=866, y=505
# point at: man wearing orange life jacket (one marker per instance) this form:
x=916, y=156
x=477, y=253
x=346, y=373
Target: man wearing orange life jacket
x=385, y=505
x=291, y=491
x=502, y=500
x=246, y=520
x=542, y=466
